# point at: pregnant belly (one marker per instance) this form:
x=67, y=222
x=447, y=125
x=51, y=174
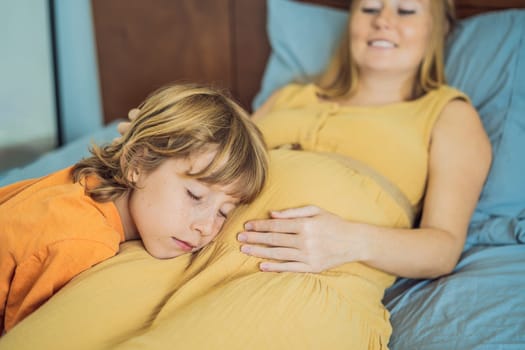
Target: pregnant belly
x=299, y=178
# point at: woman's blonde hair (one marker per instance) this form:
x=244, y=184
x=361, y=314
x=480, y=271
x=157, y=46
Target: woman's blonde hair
x=341, y=77
x=175, y=122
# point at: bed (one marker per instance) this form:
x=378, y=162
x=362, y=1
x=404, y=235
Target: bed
x=479, y=306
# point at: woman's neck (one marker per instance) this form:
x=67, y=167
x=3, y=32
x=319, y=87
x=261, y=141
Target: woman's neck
x=376, y=91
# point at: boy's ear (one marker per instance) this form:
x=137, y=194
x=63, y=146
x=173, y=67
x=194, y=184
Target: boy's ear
x=133, y=175
x=132, y=171
x=131, y=167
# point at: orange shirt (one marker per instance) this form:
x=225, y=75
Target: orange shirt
x=50, y=231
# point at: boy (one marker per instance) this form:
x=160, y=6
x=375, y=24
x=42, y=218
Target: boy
x=188, y=159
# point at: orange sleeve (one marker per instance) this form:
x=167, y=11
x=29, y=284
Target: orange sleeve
x=7, y=267
x=43, y=274
x=6, y=273
x=60, y=177
x=12, y=190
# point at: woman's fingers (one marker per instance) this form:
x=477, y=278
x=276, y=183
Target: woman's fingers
x=282, y=254
x=293, y=266
x=270, y=239
x=274, y=225
x=133, y=113
x=300, y=212
x=306, y=239
x=122, y=127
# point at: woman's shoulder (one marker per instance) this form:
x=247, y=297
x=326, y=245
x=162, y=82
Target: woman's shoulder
x=295, y=94
x=448, y=93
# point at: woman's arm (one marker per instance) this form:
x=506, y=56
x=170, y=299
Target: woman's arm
x=459, y=161
x=460, y=156
x=266, y=106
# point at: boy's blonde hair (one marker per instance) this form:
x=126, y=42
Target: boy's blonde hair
x=175, y=122
x=341, y=77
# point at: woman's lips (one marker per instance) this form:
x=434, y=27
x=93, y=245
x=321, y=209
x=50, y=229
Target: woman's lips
x=185, y=246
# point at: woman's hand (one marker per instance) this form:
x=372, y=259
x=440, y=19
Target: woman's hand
x=305, y=239
x=122, y=127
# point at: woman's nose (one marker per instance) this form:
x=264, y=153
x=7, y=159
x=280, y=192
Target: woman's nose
x=385, y=19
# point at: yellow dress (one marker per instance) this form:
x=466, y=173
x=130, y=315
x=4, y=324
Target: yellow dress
x=218, y=298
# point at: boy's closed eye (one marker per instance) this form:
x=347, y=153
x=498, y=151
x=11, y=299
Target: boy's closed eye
x=193, y=196
x=223, y=213
x=227, y=209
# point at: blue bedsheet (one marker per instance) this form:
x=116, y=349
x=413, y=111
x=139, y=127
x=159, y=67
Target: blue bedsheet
x=481, y=306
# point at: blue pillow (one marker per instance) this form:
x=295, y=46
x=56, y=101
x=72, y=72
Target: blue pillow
x=485, y=59
x=303, y=37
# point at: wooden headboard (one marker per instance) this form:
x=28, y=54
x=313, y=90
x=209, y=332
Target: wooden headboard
x=142, y=45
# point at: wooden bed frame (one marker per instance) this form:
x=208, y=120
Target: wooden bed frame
x=142, y=45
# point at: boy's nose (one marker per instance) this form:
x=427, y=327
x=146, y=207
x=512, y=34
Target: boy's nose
x=205, y=225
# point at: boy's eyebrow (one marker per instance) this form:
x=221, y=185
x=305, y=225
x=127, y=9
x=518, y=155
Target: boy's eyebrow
x=234, y=195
